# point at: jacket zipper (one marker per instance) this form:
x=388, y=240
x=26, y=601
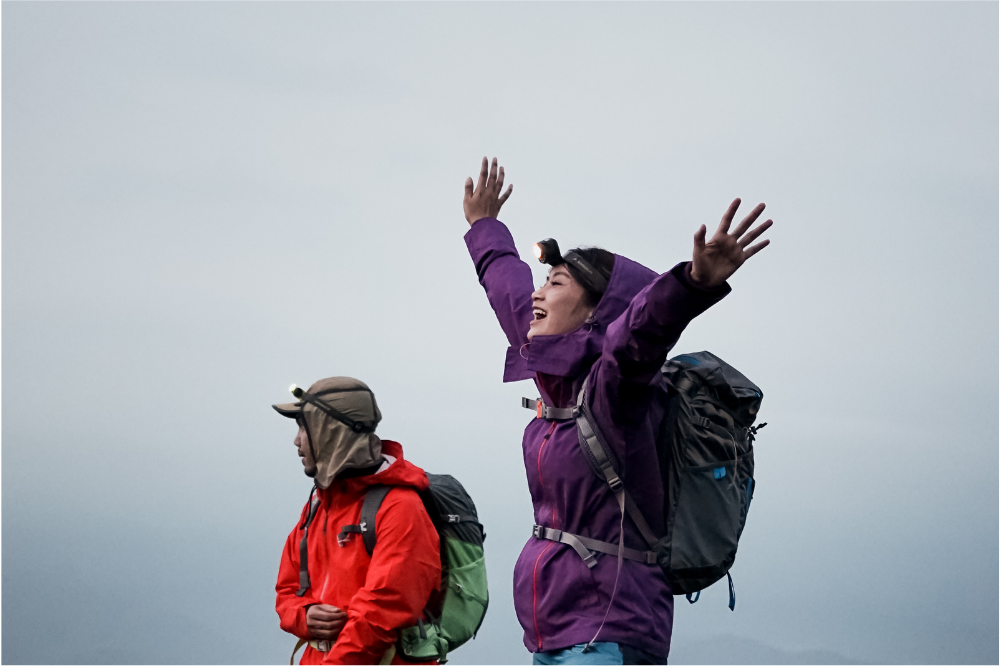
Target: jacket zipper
x=534, y=571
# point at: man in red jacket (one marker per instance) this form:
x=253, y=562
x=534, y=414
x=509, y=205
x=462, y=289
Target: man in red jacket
x=346, y=604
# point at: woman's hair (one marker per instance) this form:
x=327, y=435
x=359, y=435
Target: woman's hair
x=602, y=261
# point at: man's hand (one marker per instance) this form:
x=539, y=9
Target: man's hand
x=325, y=621
x=715, y=262
x=486, y=200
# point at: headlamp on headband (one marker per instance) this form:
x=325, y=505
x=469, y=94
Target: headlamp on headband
x=356, y=426
x=547, y=252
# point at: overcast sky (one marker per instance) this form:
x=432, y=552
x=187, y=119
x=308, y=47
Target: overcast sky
x=204, y=203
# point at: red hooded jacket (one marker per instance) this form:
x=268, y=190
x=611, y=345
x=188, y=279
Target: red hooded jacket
x=382, y=593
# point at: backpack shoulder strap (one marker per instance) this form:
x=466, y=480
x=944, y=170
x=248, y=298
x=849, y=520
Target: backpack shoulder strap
x=592, y=441
x=369, y=509
x=304, y=583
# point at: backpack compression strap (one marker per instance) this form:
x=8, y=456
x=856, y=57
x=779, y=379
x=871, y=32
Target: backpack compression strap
x=369, y=509
x=304, y=546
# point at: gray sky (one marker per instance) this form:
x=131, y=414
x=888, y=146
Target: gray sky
x=203, y=203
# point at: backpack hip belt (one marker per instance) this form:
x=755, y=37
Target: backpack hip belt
x=584, y=545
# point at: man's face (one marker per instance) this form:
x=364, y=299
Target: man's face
x=305, y=450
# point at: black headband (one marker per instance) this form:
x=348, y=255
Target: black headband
x=589, y=274
x=547, y=252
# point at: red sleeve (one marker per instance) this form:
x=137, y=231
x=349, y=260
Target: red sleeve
x=292, y=609
x=405, y=569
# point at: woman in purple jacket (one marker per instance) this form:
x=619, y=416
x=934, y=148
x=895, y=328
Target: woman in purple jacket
x=610, y=321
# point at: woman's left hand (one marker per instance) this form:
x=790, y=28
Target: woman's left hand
x=715, y=261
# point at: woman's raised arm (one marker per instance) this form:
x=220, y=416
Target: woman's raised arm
x=506, y=279
x=637, y=343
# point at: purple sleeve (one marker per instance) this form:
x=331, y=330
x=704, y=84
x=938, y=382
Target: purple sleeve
x=508, y=284
x=637, y=344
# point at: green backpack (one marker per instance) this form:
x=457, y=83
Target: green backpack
x=457, y=610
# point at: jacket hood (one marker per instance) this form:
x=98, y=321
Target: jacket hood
x=571, y=354
x=395, y=471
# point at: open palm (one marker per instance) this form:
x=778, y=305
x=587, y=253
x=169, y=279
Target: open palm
x=714, y=262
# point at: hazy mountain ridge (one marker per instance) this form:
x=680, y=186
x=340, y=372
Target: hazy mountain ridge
x=730, y=649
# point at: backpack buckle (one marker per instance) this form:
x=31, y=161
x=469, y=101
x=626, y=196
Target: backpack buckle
x=538, y=532
x=538, y=409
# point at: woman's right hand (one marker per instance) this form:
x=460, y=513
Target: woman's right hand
x=486, y=200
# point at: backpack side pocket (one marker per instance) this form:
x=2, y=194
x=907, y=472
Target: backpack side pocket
x=707, y=523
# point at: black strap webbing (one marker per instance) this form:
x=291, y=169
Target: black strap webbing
x=590, y=274
x=304, y=545
x=717, y=429
x=356, y=426
x=459, y=518
x=369, y=509
x=374, y=497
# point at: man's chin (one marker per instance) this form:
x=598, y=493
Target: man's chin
x=311, y=473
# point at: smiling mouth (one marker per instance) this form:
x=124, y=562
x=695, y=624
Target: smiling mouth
x=539, y=314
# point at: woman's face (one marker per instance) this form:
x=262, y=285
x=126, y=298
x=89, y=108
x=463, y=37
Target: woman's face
x=559, y=305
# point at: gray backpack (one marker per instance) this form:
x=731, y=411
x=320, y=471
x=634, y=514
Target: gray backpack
x=705, y=449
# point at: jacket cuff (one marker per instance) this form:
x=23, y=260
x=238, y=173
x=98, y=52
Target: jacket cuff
x=487, y=234
x=371, y=653
x=684, y=277
x=675, y=300
x=301, y=628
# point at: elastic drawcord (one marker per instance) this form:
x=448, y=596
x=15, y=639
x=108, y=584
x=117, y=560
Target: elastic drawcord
x=614, y=590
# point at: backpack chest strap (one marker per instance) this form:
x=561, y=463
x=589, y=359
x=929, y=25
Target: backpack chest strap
x=374, y=497
x=543, y=411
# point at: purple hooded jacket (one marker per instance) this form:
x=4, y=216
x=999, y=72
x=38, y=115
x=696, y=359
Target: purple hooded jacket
x=558, y=600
